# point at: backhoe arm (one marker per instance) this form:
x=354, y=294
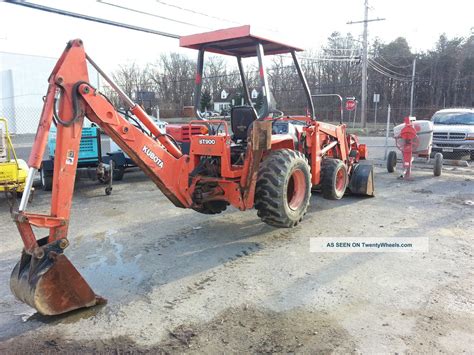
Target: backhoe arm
x=156, y=155
x=44, y=278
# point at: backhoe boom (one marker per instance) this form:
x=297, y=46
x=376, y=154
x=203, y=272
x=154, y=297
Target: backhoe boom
x=155, y=154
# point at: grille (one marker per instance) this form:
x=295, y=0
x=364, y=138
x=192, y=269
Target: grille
x=450, y=145
x=457, y=136
x=194, y=131
x=439, y=135
x=449, y=136
x=87, y=144
x=88, y=140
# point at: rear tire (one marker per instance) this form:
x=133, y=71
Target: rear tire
x=334, y=179
x=283, y=188
x=208, y=207
x=46, y=179
x=438, y=164
x=391, y=161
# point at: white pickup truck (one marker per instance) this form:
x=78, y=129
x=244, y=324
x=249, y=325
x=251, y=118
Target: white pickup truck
x=453, y=133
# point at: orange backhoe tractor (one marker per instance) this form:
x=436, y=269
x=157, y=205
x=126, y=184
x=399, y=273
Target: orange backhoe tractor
x=267, y=162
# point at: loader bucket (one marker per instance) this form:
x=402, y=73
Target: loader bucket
x=50, y=283
x=362, y=180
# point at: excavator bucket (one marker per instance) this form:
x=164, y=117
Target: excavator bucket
x=50, y=283
x=362, y=180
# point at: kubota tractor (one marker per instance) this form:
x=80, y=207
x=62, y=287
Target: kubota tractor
x=262, y=162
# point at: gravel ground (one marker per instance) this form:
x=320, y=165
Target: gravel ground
x=179, y=281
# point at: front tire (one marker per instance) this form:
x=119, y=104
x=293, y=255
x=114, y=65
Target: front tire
x=283, y=188
x=334, y=179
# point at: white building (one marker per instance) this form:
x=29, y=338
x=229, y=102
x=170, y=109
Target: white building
x=227, y=98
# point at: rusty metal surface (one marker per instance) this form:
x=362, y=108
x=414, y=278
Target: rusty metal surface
x=50, y=283
x=262, y=135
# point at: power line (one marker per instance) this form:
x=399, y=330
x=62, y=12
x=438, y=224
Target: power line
x=334, y=58
x=196, y=12
x=207, y=15
x=393, y=65
x=90, y=18
x=387, y=74
x=341, y=49
x=323, y=59
x=151, y=14
x=380, y=66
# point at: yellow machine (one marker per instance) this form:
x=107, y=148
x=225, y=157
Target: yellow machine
x=13, y=171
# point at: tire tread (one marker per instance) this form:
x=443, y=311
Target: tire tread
x=269, y=193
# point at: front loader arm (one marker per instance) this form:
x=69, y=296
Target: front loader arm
x=44, y=278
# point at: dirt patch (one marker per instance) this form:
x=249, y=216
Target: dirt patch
x=237, y=330
x=248, y=329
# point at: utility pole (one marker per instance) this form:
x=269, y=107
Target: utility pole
x=412, y=86
x=363, y=106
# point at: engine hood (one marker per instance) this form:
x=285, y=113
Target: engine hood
x=453, y=128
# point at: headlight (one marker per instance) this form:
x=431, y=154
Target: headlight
x=470, y=137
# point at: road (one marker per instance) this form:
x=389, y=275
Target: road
x=179, y=281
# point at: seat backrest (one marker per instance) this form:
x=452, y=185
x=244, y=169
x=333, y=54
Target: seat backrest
x=241, y=117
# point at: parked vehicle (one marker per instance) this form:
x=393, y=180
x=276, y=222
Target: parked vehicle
x=13, y=171
x=209, y=114
x=453, y=133
x=90, y=162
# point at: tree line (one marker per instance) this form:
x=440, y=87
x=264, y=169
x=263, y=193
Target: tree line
x=444, y=77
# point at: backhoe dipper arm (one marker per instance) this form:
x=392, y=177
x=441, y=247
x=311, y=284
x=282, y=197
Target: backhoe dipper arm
x=157, y=156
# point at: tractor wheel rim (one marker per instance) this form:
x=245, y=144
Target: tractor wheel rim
x=340, y=180
x=296, y=189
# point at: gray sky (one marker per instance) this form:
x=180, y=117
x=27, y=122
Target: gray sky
x=305, y=23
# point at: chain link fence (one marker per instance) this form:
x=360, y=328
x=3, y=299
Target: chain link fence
x=23, y=122
x=21, y=119
x=455, y=144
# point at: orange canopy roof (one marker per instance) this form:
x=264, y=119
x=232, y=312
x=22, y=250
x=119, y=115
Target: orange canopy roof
x=235, y=41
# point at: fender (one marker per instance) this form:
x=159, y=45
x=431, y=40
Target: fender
x=281, y=141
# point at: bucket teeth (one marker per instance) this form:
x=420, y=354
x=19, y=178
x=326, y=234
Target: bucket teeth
x=50, y=283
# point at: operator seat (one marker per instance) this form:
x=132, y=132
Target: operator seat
x=241, y=118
